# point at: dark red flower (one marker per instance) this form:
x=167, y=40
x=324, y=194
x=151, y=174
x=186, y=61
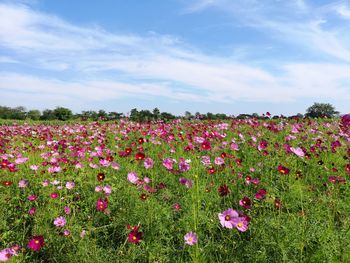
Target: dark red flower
x=245, y=202
x=141, y=140
x=139, y=156
x=128, y=150
x=101, y=176
x=282, y=169
x=224, y=190
x=135, y=236
x=211, y=170
x=6, y=183
x=278, y=203
x=260, y=194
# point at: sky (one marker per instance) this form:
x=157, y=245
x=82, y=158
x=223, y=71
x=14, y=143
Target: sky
x=219, y=56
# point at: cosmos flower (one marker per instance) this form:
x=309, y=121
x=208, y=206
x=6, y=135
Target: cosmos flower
x=101, y=205
x=148, y=163
x=135, y=236
x=36, y=243
x=191, y=238
x=60, y=221
x=245, y=202
x=23, y=184
x=227, y=218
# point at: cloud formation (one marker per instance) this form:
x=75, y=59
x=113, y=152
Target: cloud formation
x=66, y=64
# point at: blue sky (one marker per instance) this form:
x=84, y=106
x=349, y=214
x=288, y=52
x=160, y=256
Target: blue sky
x=178, y=55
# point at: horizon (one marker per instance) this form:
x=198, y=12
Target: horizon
x=202, y=56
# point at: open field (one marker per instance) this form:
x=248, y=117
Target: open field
x=248, y=190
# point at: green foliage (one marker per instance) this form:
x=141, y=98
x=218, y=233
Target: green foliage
x=321, y=110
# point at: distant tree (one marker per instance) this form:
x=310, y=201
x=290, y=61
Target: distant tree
x=18, y=113
x=156, y=113
x=102, y=115
x=62, y=113
x=321, y=110
x=5, y=112
x=188, y=115
x=167, y=116
x=34, y=114
x=48, y=115
x=113, y=116
x=134, y=115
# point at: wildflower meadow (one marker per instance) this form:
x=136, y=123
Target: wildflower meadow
x=268, y=190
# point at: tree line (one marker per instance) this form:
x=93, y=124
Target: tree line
x=317, y=110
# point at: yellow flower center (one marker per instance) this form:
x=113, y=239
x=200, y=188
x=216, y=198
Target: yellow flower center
x=227, y=218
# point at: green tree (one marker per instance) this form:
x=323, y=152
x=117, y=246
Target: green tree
x=48, y=115
x=321, y=110
x=156, y=113
x=62, y=113
x=34, y=114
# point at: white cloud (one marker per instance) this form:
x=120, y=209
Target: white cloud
x=104, y=65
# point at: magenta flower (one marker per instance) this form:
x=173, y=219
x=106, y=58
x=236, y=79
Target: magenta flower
x=191, y=238
x=66, y=233
x=227, y=218
x=101, y=205
x=36, y=243
x=32, y=211
x=67, y=210
x=60, y=221
x=54, y=195
x=260, y=194
x=184, y=166
x=32, y=198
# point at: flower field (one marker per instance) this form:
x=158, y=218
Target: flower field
x=186, y=191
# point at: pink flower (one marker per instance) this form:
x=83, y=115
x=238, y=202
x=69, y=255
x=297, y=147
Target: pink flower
x=234, y=146
x=184, y=166
x=34, y=167
x=298, y=151
x=98, y=188
x=191, y=238
x=241, y=224
x=32, y=198
x=67, y=210
x=21, y=160
x=23, y=183
x=66, y=233
x=227, y=218
x=107, y=189
x=115, y=166
x=60, y=221
x=219, y=161
x=70, y=185
x=7, y=253
x=133, y=178
x=148, y=163
x=168, y=163
x=260, y=194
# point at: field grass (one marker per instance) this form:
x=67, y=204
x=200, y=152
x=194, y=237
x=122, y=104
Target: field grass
x=108, y=191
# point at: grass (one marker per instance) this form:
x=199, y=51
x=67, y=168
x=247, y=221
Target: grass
x=311, y=225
